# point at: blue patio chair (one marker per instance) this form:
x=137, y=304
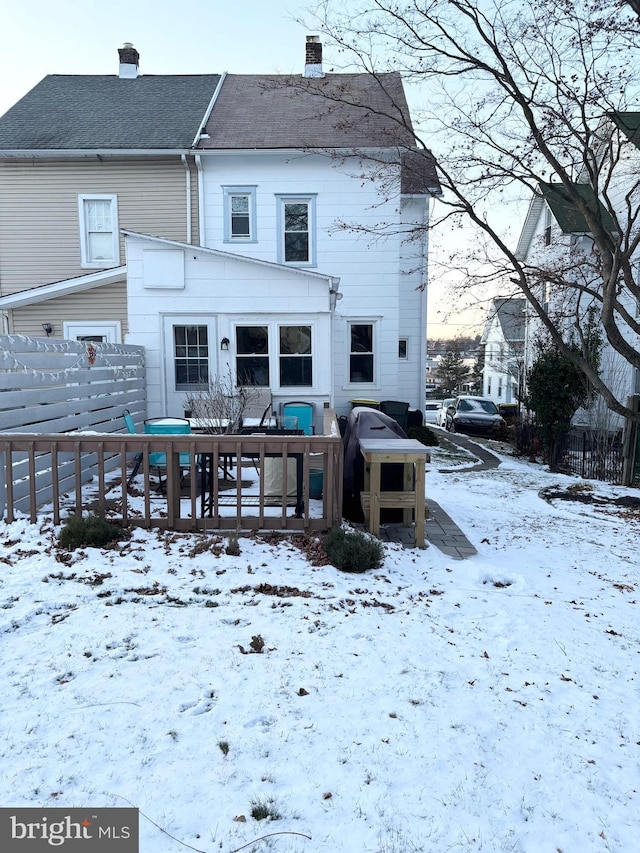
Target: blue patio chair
x=137, y=462
x=168, y=426
x=304, y=412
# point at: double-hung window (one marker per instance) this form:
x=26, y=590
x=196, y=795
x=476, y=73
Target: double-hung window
x=99, y=244
x=361, y=353
x=252, y=355
x=296, y=364
x=239, y=214
x=296, y=230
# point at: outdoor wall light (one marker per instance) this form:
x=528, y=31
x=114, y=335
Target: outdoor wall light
x=224, y=344
x=48, y=328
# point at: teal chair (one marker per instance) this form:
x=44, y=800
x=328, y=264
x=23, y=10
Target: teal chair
x=167, y=426
x=304, y=412
x=131, y=427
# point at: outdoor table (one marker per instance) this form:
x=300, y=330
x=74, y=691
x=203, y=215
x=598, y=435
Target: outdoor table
x=206, y=470
x=413, y=455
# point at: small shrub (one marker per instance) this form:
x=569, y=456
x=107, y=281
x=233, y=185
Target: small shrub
x=233, y=546
x=424, y=435
x=263, y=809
x=91, y=531
x=353, y=551
x=224, y=747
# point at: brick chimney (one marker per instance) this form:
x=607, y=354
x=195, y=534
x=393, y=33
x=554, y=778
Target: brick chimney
x=313, y=57
x=129, y=60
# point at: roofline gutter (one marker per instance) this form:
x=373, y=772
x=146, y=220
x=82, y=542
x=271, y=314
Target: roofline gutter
x=61, y=153
x=201, y=222
x=207, y=113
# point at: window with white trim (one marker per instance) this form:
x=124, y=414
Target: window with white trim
x=99, y=243
x=361, y=353
x=252, y=355
x=239, y=214
x=403, y=349
x=296, y=362
x=296, y=230
x=191, y=356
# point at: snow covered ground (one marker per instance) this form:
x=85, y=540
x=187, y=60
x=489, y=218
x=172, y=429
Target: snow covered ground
x=435, y=705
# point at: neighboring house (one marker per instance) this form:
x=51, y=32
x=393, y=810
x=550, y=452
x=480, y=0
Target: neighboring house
x=82, y=157
x=292, y=285
x=503, y=343
x=555, y=235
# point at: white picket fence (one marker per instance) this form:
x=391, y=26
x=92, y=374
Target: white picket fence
x=59, y=386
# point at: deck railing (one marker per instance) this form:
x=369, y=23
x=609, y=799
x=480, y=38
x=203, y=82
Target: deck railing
x=68, y=474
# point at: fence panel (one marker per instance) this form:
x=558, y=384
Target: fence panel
x=59, y=386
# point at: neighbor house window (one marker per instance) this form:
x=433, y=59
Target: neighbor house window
x=361, y=352
x=499, y=386
x=296, y=230
x=239, y=214
x=547, y=226
x=295, y=356
x=191, y=356
x=252, y=355
x=403, y=349
x=99, y=246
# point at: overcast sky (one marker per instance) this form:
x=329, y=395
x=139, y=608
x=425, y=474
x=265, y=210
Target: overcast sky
x=40, y=37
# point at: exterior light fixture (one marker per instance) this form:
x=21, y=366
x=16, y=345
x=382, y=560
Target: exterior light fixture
x=48, y=328
x=224, y=344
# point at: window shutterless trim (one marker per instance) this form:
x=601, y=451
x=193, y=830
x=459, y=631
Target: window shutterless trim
x=227, y=194
x=300, y=198
x=100, y=263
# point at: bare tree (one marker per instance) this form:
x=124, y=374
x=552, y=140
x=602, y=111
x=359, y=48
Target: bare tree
x=516, y=96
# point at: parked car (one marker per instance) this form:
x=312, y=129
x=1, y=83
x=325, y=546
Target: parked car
x=431, y=410
x=441, y=418
x=475, y=415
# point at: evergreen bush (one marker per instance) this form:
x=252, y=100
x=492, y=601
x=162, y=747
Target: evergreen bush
x=424, y=435
x=352, y=551
x=92, y=531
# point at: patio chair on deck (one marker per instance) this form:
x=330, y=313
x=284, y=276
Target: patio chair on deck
x=137, y=462
x=168, y=426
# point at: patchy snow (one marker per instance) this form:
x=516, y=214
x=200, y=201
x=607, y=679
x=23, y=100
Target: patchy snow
x=435, y=705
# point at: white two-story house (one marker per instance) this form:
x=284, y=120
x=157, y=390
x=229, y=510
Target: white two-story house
x=297, y=272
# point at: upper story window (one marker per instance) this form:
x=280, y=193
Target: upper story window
x=99, y=244
x=296, y=230
x=547, y=226
x=239, y=214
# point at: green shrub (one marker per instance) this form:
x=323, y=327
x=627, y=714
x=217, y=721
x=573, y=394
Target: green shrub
x=424, y=435
x=90, y=531
x=353, y=551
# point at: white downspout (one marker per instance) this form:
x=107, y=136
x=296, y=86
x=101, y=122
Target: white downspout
x=201, y=223
x=188, y=191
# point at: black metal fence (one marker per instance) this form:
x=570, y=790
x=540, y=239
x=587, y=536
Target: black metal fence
x=590, y=454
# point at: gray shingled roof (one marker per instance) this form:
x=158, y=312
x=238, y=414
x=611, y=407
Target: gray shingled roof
x=510, y=313
x=629, y=124
x=338, y=111
x=106, y=112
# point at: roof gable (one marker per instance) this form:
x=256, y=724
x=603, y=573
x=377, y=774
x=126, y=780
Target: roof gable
x=629, y=124
x=569, y=218
x=69, y=112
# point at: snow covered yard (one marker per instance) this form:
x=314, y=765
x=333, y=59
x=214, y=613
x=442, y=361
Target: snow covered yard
x=432, y=705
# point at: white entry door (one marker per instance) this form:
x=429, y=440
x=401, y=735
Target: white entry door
x=190, y=358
